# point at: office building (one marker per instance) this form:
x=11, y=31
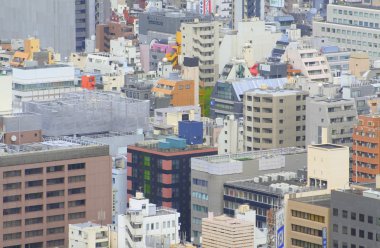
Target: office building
x=88, y=234
x=64, y=181
x=337, y=58
x=323, y=169
x=231, y=138
x=179, y=91
x=146, y=225
x=330, y=120
x=237, y=233
x=353, y=26
x=307, y=221
x=312, y=64
x=42, y=83
x=110, y=31
x=354, y=218
x=201, y=39
x=366, y=149
x=274, y=119
x=208, y=175
x=227, y=97
x=161, y=169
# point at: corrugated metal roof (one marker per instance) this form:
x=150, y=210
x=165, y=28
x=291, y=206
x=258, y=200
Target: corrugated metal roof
x=246, y=84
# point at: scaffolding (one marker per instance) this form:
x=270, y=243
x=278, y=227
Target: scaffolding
x=90, y=112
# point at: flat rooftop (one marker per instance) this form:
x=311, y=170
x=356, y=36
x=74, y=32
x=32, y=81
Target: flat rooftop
x=273, y=92
x=42, y=67
x=252, y=155
x=319, y=200
x=329, y=146
x=357, y=5
x=86, y=225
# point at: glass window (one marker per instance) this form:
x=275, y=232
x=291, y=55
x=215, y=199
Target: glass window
x=77, y=166
x=33, y=171
x=55, y=168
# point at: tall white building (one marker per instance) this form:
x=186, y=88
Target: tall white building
x=88, y=235
x=231, y=138
x=125, y=49
x=5, y=92
x=146, y=225
x=119, y=187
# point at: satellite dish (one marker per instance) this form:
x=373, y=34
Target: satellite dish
x=13, y=138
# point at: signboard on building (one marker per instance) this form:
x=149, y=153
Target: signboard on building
x=204, y=7
x=324, y=237
x=277, y=3
x=280, y=230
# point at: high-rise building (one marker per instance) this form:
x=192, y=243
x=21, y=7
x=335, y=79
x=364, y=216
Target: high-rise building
x=201, y=39
x=274, y=119
x=161, y=169
x=366, y=148
x=354, y=26
x=330, y=120
x=307, y=221
x=48, y=185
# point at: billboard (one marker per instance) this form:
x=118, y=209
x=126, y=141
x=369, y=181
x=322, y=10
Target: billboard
x=276, y=3
x=204, y=7
x=280, y=230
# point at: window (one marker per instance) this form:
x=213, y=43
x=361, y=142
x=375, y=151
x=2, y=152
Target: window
x=75, y=179
x=35, y=183
x=361, y=217
x=12, y=223
x=55, y=193
x=335, y=211
x=33, y=171
x=353, y=216
x=55, y=168
x=370, y=219
x=34, y=233
x=199, y=208
x=361, y=234
x=200, y=182
x=33, y=221
x=78, y=215
x=52, y=181
x=77, y=203
x=11, y=186
x=353, y=232
x=10, y=211
x=53, y=218
x=76, y=191
x=33, y=208
x=335, y=228
x=344, y=230
x=33, y=196
x=55, y=230
x=14, y=173
x=11, y=198
x=370, y=235
x=55, y=205
x=344, y=214
x=12, y=236
x=55, y=243
x=78, y=166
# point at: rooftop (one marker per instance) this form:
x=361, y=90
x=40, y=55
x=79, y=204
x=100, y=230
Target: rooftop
x=273, y=92
x=86, y=225
x=224, y=220
x=319, y=200
x=356, y=5
x=329, y=146
x=42, y=67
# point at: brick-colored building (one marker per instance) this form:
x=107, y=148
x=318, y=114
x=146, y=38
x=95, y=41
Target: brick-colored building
x=47, y=186
x=366, y=149
x=112, y=30
x=162, y=170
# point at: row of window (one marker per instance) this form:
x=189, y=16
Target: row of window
x=232, y=205
x=34, y=233
x=38, y=183
x=308, y=216
x=33, y=171
x=34, y=208
x=200, y=182
x=38, y=220
x=156, y=226
x=361, y=217
x=250, y=196
x=356, y=233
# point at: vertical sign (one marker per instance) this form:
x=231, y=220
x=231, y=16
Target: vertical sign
x=324, y=237
x=280, y=233
x=201, y=7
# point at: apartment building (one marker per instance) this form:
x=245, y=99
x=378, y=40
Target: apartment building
x=366, y=148
x=161, y=169
x=354, y=26
x=312, y=63
x=307, y=222
x=323, y=169
x=237, y=233
x=201, y=39
x=354, y=218
x=274, y=119
x=231, y=138
x=208, y=175
x=64, y=181
x=88, y=235
x=179, y=91
x=146, y=225
x=110, y=31
x=330, y=120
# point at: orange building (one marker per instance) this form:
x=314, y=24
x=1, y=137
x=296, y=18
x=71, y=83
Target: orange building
x=181, y=92
x=88, y=82
x=366, y=149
